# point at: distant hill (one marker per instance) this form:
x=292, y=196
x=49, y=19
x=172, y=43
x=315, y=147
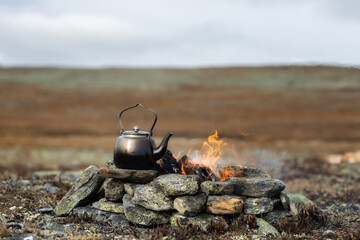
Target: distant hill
x=270, y=78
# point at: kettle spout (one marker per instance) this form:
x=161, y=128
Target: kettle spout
x=160, y=151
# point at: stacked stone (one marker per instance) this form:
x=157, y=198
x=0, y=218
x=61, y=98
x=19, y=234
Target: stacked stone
x=147, y=199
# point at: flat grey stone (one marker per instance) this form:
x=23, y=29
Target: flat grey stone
x=178, y=184
x=129, y=175
x=266, y=228
x=190, y=205
x=256, y=187
x=84, y=188
x=130, y=188
x=258, y=205
x=114, y=189
x=225, y=204
x=152, y=197
x=202, y=220
x=217, y=188
x=108, y=206
x=116, y=219
x=245, y=172
x=142, y=216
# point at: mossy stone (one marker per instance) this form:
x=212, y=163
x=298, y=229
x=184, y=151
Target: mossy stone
x=217, y=188
x=178, y=184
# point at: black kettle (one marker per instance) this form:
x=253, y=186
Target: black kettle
x=136, y=149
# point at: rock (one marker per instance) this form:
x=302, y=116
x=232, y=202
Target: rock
x=116, y=219
x=202, y=220
x=298, y=198
x=142, y=216
x=275, y=217
x=178, y=184
x=258, y=205
x=266, y=228
x=23, y=236
x=114, y=189
x=287, y=204
x=256, y=187
x=45, y=209
x=129, y=175
x=45, y=174
x=245, y=172
x=84, y=188
x=329, y=234
x=55, y=227
x=108, y=206
x=130, y=188
x=2, y=219
x=152, y=197
x=217, y=188
x=190, y=205
x=225, y=204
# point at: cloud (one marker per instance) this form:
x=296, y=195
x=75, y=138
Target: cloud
x=177, y=33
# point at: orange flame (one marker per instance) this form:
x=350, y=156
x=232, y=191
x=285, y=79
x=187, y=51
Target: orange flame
x=226, y=173
x=208, y=156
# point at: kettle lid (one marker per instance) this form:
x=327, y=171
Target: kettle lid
x=136, y=132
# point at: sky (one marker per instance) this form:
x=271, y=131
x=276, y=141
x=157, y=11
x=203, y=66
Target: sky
x=186, y=33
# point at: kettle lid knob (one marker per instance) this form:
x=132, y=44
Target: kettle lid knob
x=136, y=129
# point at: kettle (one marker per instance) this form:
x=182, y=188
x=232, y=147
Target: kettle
x=136, y=149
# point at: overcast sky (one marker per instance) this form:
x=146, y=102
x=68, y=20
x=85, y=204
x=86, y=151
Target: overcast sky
x=182, y=33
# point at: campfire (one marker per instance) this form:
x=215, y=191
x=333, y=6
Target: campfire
x=193, y=188
x=206, y=162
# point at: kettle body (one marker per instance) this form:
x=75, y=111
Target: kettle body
x=136, y=149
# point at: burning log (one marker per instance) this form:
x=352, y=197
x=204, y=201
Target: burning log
x=169, y=164
x=190, y=167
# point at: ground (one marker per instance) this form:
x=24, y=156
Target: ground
x=290, y=118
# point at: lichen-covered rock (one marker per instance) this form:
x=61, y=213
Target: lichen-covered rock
x=130, y=188
x=84, y=188
x=287, y=203
x=202, y=220
x=258, y=205
x=217, y=187
x=114, y=189
x=300, y=199
x=256, y=187
x=275, y=217
x=108, y=206
x=152, y=197
x=245, y=172
x=142, y=216
x=266, y=228
x=116, y=219
x=190, y=205
x=178, y=184
x=225, y=204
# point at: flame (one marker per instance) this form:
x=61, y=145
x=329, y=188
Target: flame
x=208, y=157
x=226, y=173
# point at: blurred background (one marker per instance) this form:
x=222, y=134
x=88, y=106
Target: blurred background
x=277, y=77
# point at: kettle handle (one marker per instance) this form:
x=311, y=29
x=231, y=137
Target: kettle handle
x=128, y=108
